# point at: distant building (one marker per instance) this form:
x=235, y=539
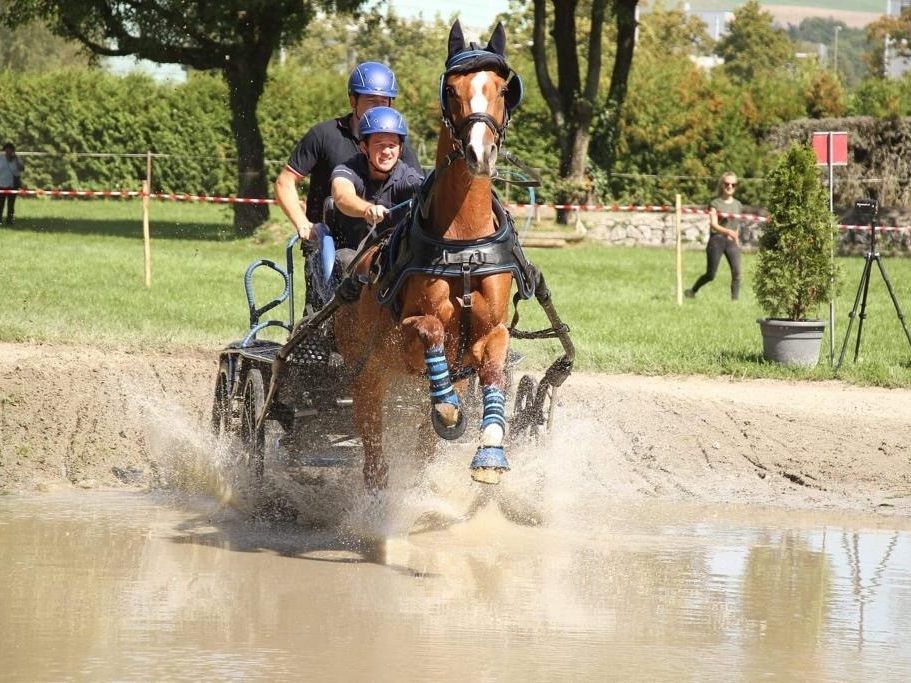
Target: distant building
x=895, y=65
x=716, y=21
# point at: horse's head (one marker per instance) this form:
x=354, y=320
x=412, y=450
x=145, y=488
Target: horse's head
x=478, y=92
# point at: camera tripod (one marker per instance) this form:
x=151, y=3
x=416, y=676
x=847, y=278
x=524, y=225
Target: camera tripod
x=861, y=298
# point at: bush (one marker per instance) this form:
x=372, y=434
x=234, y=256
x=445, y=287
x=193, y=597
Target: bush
x=795, y=270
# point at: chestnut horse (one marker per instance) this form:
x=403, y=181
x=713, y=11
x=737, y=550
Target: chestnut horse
x=447, y=319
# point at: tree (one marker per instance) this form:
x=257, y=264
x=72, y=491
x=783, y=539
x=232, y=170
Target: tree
x=32, y=48
x=235, y=37
x=571, y=99
x=753, y=45
x=825, y=96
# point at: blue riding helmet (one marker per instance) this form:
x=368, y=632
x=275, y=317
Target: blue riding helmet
x=373, y=78
x=382, y=120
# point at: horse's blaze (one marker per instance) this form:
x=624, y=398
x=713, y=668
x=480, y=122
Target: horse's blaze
x=480, y=138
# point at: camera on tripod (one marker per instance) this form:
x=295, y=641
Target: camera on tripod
x=867, y=209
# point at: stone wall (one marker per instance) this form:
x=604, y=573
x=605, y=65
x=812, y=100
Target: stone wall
x=657, y=230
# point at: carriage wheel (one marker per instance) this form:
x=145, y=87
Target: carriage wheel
x=544, y=428
x=523, y=416
x=526, y=421
x=222, y=417
x=254, y=439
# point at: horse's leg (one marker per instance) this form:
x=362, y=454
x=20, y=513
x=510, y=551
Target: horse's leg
x=367, y=392
x=490, y=459
x=447, y=416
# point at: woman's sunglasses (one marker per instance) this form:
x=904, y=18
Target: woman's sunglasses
x=730, y=184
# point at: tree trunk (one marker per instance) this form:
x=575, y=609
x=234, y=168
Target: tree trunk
x=626, y=42
x=246, y=77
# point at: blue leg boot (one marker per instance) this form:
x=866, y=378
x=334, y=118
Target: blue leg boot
x=446, y=412
x=490, y=459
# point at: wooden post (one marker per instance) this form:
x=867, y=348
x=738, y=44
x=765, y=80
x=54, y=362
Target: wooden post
x=678, y=219
x=145, y=232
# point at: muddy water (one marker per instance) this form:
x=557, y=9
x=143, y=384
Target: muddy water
x=133, y=586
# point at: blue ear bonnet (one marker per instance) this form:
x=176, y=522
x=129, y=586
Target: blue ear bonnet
x=468, y=61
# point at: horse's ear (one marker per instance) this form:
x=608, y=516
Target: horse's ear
x=497, y=43
x=456, y=39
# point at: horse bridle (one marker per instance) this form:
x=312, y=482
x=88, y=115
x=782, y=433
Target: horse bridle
x=458, y=131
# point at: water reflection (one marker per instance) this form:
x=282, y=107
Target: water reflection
x=131, y=586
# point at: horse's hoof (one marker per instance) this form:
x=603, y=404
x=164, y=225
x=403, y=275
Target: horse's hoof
x=487, y=464
x=448, y=413
x=450, y=431
x=486, y=475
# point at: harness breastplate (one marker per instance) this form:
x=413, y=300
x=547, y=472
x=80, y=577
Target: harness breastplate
x=412, y=250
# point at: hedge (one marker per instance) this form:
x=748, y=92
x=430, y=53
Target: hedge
x=91, y=111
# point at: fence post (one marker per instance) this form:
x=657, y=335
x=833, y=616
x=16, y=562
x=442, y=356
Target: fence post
x=678, y=219
x=145, y=232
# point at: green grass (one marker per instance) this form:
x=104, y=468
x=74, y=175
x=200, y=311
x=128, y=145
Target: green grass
x=72, y=271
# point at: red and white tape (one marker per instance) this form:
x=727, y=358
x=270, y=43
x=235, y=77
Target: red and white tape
x=129, y=194
x=231, y=199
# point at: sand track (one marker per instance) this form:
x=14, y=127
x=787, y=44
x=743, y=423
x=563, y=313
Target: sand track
x=87, y=417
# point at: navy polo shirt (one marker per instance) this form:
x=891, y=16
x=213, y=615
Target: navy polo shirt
x=325, y=146
x=399, y=187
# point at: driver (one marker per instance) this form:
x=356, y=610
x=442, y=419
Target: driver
x=368, y=185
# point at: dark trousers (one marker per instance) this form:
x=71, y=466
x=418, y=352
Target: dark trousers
x=718, y=245
x=10, y=201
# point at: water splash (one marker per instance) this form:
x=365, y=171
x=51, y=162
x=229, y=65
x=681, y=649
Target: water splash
x=558, y=482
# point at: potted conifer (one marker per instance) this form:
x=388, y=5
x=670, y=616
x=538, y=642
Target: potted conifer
x=795, y=272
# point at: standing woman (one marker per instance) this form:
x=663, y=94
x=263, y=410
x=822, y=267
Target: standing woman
x=11, y=168
x=724, y=237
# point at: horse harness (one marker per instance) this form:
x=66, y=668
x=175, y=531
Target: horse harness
x=410, y=249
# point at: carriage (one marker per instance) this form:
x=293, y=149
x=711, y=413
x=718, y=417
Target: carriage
x=311, y=411
x=430, y=299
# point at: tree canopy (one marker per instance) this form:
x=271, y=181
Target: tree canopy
x=753, y=45
x=236, y=37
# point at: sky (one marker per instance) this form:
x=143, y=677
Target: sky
x=472, y=13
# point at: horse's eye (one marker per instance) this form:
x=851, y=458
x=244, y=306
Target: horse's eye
x=503, y=91
x=450, y=91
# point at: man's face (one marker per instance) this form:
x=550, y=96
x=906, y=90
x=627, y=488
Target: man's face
x=383, y=151
x=361, y=103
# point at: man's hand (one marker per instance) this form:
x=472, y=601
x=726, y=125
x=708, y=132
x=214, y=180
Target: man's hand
x=374, y=213
x=304, y=231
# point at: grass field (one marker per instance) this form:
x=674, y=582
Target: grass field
x=72, y=272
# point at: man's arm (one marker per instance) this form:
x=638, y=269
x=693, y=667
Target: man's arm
x=346, y=200
x=287, y=198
